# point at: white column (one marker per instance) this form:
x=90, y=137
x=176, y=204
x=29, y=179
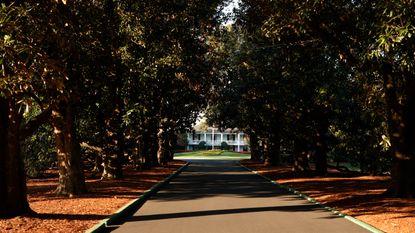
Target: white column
x=204, y=137
x=221, y=137
x=189, y=138
x=213, y=138
x=239, y=144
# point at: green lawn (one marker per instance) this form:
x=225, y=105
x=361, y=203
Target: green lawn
x=212, y=154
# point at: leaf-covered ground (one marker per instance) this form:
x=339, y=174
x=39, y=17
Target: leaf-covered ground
x=358, y=196
x=62, y=214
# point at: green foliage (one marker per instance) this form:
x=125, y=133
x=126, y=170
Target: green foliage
x=202, y=145
x=130, y=68
x=39, y=152
x=313, y=73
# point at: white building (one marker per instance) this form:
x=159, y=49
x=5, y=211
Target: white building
x=213, y=138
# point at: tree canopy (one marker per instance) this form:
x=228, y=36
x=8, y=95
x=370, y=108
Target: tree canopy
x=326, y=80
x=95, y=85
x=102, y=82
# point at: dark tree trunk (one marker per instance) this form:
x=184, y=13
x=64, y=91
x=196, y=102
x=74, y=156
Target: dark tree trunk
x=136, y=157
x=401, y=126
x=254, y=145
x=162, y=144
x=144, y=150
x=266, y=151
x=114, y=147
x=121, y=150
x=275, y=150
x=153, y=150
x=272, y=155
x=114, y=140
x=300, y=156
x=403, y=181
x=100, y=137
x=172, y=142
x=98, y=168
x=153, y=147
x=321, y=142
x=12, y=176
x=71, y=176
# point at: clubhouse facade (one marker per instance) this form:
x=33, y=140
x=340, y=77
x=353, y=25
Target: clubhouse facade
x=213, y=138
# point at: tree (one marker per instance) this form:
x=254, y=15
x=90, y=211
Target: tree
x=91, y=69
x=20, y=66
x=168, y=56
x=374, y=38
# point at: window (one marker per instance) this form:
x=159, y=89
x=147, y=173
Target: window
x=230, y=137
x=196, y=136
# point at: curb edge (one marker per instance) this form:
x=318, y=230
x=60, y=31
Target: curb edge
x=133, y=205
x=312, y=200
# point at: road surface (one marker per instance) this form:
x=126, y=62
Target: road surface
x=217, y=196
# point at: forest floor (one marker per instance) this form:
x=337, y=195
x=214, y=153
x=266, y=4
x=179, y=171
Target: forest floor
x=62, y=214
x=357, y=196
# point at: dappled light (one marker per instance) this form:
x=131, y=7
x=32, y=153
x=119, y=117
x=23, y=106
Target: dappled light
x=100, y=99
x=361, y=196
x=60, y=214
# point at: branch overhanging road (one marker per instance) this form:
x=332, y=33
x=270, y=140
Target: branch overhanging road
x=216, y=196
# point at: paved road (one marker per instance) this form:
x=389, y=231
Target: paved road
x=220, y=196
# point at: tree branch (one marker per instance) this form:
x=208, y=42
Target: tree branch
x=30, y=127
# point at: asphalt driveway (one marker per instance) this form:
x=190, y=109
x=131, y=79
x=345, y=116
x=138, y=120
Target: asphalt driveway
x=220, y=196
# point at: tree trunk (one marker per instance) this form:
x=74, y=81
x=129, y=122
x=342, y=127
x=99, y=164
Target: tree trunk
x=98, y=168
x=265, y=151
x=153, y=148
x=275, y=150
x=12, y=176
x=172, y=142
x=100, y=137
x=254, y=145
x=135, y=154
x=113, y=157
x=114, y=146
x=403, y=181
x=162, y=143
x=144, y=150
x=71, y=176
x=401, y=127
x=321, y=143
x=272, y=155
x=300, y=156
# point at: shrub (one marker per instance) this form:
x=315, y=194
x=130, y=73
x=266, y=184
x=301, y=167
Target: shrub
x=224, y=146
x=202, y=145
x=38, y=152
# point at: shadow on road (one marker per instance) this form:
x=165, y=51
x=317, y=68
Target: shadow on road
x=309, y=207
